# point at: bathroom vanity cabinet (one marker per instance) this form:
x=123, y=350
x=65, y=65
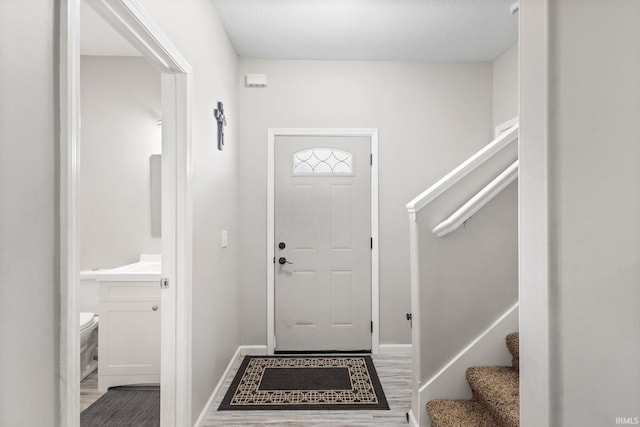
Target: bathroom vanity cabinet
x=129, y=333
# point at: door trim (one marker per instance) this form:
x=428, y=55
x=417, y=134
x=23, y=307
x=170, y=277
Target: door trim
x=272, y=133
x=135, y=25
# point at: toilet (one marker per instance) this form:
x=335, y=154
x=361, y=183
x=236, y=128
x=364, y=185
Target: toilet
x=88, y=344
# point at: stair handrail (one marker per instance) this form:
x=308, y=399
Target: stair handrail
x=476, y=203
x=465, y=168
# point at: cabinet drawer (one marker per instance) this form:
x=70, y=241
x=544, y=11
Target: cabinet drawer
x=129, y=291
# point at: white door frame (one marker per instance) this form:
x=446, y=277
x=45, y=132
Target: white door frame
x=134, y=24
x=272, y=133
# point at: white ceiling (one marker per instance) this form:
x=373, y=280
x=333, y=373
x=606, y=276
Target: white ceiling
x=97, y=37
x=425, y=30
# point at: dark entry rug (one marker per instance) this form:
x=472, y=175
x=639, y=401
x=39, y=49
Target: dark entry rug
x=305, y=383
x=124, y=407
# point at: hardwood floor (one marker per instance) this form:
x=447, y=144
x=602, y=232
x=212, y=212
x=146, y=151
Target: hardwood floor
x=89, y=391
x=394, y=372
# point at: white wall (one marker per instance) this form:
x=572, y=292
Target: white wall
x=29, y=315
x=595, y=206
x=194, y=27
x=430, y=117
x=120, y=108
x=590, y=181
x=505, y=86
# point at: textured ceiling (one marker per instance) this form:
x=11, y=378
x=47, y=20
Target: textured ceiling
x=425, y=30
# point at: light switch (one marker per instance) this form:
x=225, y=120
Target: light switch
x=224, y=239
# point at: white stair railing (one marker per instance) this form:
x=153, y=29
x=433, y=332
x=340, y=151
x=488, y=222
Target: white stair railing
x=476, y=203
x=504, y=140
x=472, y=163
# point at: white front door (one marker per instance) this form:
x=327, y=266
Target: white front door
x=322, y=243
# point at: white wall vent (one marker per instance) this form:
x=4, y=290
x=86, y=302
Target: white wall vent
x=256, y=80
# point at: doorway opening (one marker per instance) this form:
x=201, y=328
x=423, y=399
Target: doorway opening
x=133, y=23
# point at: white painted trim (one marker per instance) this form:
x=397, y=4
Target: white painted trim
x=476, y=203
x=413, y=422
x=69, y=387
x=416, y=339
x=253, y=350
x=243, y=350
x=132, y=22
x=375, y=260
x=395, y=349
x=473, y=343
x=129, y=19
x=487, y=349
x=539, y=278
x=463, y=169
x=504, y=126
x=375, y=251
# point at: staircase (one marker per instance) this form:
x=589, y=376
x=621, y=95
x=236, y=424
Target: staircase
x=443, y=344
x=496, y=397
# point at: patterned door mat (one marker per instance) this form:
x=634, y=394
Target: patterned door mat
x=305, y=383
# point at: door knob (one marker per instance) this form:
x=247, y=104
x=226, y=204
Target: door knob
x=282, y=260
x=154, y=308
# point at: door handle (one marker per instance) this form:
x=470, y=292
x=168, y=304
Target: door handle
x=282, y=260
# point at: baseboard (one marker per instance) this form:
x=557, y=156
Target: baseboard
x=395, y=349
x=243, y=350
x=488, y=349
x=253, y=350
x=412, y=419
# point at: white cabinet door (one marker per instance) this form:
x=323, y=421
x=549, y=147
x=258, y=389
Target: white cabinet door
x=132, y=331
x=129, y=341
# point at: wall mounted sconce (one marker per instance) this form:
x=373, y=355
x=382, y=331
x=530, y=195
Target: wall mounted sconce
x=218, y=113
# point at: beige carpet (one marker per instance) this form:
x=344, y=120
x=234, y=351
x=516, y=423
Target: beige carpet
x=496, y=397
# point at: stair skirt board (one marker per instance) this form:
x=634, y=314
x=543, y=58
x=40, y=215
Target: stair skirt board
x=487, y=349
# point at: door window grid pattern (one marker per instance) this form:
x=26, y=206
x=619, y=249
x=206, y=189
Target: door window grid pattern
x=322, y=161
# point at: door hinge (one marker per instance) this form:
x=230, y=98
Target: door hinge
x=372, y=326
x=410, y=319
x=164, y=283
x=371, y=159
x=274, y=260
x=372, y=243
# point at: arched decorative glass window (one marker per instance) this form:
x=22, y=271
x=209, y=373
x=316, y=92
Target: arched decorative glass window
x=322, y=161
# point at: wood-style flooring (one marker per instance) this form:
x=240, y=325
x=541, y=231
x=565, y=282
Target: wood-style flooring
x=89, y=391
x=394, y=372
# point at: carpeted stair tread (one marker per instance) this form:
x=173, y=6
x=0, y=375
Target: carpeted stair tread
x=458, y=413
x=513, y=344
x=497, y=389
